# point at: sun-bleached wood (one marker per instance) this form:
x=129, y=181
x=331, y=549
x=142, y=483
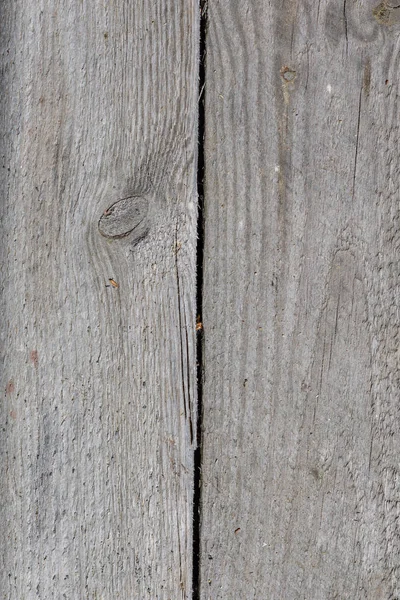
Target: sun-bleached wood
x=301, y=440
x=98, y=105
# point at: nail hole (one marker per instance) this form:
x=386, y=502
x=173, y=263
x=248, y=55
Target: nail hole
x=288, y=74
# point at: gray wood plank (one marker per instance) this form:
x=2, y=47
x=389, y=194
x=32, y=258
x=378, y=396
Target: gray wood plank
x=301, y=436
x=98, y=106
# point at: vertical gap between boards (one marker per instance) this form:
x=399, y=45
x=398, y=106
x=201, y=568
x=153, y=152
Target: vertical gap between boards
x=199, y=303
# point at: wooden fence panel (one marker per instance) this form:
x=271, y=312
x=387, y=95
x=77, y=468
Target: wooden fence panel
x=98, y=239
x=301, y=436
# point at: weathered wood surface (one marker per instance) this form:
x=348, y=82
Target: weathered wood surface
x=98, y=104
x=301, y=441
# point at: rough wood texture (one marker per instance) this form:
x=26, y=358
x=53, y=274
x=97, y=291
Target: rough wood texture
x=301, y=476
x=99, y=104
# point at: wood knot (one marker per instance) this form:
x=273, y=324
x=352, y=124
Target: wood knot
x=386, y=14
x=126, y=217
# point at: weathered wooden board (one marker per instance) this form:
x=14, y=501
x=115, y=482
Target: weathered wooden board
x=98, y=104
x=301, y=441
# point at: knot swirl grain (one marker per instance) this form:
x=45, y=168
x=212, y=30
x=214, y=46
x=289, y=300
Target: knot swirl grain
x=126, y=217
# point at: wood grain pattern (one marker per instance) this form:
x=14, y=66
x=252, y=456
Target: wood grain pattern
x=99, y=103
x=300, y=473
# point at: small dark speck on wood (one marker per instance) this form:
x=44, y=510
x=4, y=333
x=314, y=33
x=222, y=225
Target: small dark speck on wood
x=126, y=217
